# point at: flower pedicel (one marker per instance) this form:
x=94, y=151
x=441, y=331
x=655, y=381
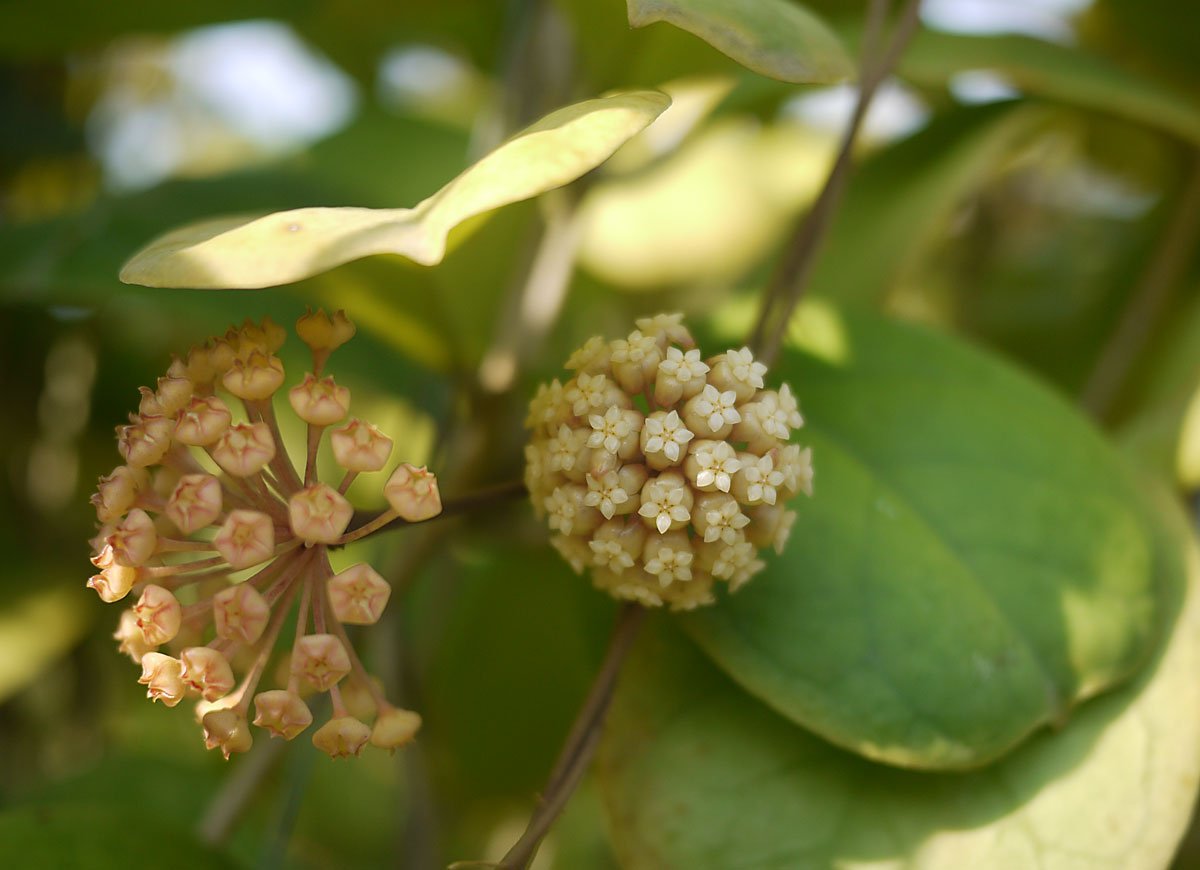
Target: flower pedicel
x=661, y=471
x=222, y=541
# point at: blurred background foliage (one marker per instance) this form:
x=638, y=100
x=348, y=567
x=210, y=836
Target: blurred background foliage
x=1030, y=179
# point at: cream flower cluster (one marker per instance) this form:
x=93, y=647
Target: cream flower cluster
x=223, y=543
x=661, y=471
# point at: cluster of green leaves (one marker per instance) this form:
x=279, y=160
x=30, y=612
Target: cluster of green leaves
x=979, y=647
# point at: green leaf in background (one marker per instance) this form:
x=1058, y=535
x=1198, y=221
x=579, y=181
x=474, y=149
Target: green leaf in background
x=1163, y=428
x=288, y=246
x=776, y=38
x=697, y=774
x=36, y=629
x=974, y=562
x=1056, y=72
x=901, y=197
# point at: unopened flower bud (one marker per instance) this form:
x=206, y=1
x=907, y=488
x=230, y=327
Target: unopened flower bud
x=273, y=335
x=206, y=671
x=117, y=492
x=319, y=514
x=324, y=333
x=195, y=502
x=321, y=659
x=240, y=613
x=158, y=615
x=282, y=713
x=395, y=728
x=255, y=377
x=113, y=582
x=358, y=595
x=202, y=421
x=359, y=446
x=342, y=737
x=319, y=402
x=134, y=540
x=145, y=441
x=228, y=730
x=244, y=448
x=245, y=538
x=173, y=394
x=129, y=637
x=161, y=677
x=413, y=493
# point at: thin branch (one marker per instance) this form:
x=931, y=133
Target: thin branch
x=1146, y=304
x=581, y=742
x=485, y=497
x=236, y=792
x=791, y=279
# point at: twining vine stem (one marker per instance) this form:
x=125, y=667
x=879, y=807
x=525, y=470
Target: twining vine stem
x=779, y=301
x=790, y=280
x=1149, y=299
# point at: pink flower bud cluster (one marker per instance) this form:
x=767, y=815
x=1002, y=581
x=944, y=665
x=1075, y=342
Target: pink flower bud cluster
x=662, y=471
x=221, y=541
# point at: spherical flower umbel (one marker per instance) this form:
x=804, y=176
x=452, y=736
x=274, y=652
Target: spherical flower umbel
x=664, y=471
x=221, y=539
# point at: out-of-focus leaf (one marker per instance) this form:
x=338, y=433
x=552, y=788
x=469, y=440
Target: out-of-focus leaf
x=1057, y=72
x=706, y=213
x=98, y=837
x=776, y=38
x=697, y=774
x=901, y=196
x=975, y=560
x=288, y=246
x=36, y=629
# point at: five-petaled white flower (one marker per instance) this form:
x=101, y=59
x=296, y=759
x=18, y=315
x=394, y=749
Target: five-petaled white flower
x=665, y=433
x=606, y=493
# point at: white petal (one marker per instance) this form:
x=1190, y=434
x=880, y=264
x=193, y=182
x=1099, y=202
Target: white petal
x=663, y=523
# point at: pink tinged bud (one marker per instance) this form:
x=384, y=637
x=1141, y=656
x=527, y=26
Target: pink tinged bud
x=114, y=581
x=161, y=675
x=195, y=502
x=395, y=728
x=145, y=441
x=158, y=615
x=358, y=595
x=116, y=493
x=129, y=637
x=413, y=493
x=134, y=540
x=324, y=333
x=228, y=730
x=207, y=672
x=244, y=449
x=240, y=613
x=319, y=402
x=202, y=421
x=319, y=514
x=273, y=335
x=283, y=714
x=246, y=538
x=173, y=394
x=255, y=377
x=149, y=406
x=342, y=737
x=321, y=659
x=359, y=446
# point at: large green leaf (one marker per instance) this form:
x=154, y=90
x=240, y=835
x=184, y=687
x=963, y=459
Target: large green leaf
x=240, y=252
x=1057, y=72
x=974, y=562
x=698, y=775
x=776, y=38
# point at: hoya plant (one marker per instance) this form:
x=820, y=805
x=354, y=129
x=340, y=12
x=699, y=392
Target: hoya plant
x=618, y=445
